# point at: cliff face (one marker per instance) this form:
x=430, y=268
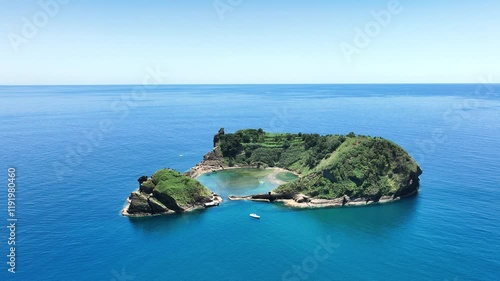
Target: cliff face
x=167, y=192
x=212, y=161
x=142, y=203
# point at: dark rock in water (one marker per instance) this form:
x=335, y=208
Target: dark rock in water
x=141, y=203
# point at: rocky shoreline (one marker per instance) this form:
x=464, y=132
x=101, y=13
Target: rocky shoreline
x=210, y=163
x=301, y=201
x=156, y=208
x=168, y=192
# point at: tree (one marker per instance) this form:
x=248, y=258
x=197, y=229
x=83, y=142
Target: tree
x=312, y=159
x=230, y=145
x=286, y=144
x=311, y=140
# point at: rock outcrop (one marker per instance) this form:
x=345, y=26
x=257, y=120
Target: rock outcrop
x=168, y=192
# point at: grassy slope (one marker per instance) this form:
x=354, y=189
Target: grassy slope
x=185, y=190
x=360, y=167
x=332, y=165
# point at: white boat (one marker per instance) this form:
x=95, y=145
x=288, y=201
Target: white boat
x=255, y=216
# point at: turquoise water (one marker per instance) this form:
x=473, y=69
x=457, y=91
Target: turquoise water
x=286, y=177
x=242, y=181
x=79, y=150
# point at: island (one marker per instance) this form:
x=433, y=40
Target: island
x=168, y=192
x=333, y=170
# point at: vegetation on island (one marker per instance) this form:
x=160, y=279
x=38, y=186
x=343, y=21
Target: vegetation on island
x=167, y=191
x=331, y=165
x=185, y=190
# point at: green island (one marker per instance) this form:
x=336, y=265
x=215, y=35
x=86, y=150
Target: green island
x=333, y=170
x=167, y=192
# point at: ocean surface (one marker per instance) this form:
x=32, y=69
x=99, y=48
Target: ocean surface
x=78, y=151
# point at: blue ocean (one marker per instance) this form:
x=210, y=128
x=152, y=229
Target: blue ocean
x=78, y=151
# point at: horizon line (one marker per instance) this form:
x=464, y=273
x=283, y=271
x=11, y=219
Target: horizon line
x=253, y=84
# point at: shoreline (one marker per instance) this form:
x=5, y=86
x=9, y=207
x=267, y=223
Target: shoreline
x=301, y=201
x=124, y=212
x=201, y=170
x=216, y=200
x=333, y=203
x=213, y=163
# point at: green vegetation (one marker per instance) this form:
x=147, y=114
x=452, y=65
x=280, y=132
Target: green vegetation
x=167, y=183
x=331, y=165
x=296, y=152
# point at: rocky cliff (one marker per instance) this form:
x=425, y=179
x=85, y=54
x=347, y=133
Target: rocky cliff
x=166, y=192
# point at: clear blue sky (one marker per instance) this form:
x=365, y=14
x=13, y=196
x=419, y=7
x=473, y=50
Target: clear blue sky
x=258, y=41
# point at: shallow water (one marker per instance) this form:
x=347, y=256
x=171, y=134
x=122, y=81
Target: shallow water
x=286, y=177
x=243, y=181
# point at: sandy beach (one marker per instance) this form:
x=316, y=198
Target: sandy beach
x=201, y=169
